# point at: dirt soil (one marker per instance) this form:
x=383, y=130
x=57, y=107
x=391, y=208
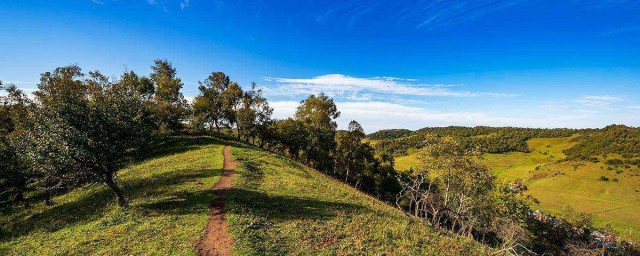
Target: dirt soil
x=217, y=241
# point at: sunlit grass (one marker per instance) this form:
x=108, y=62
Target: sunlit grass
x=279, y=207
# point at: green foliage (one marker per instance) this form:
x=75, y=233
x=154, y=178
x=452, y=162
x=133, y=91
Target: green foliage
x=170, y=105
x=318, y=114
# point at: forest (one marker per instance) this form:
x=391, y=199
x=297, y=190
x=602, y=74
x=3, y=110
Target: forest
x=80, y=129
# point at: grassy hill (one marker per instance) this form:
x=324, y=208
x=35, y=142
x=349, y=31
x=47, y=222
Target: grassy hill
x=557, y=181
x=276, y=207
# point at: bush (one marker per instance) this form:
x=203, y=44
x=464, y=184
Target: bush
x=604, y=178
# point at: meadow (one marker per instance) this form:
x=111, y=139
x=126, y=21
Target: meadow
x=557, y=182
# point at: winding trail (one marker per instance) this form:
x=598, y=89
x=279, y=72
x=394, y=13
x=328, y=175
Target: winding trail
x=217, y=241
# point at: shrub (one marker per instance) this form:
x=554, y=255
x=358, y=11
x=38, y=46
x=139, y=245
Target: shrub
x=604, y=178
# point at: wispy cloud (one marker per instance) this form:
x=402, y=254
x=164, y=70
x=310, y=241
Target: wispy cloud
x=354, y=87
x=598, y=101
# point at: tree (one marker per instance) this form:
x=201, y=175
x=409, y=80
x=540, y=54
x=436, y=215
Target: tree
x=15, y=175
x=254, y=114
x=232, y=97
x=171, y=107
x=208, y=106
x=318, y=114
x=86, y=129
x=353, y=157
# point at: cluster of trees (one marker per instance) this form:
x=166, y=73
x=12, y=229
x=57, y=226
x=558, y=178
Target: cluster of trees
x=390, y=134
x=311, y=136
x=486, y=139
x=452, y=191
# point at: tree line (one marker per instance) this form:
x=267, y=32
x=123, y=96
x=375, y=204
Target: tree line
x=80, y=129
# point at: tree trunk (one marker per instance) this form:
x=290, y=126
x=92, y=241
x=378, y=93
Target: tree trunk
x=47, y=197
x=217, y=126
x=238, y=129
x=122, y=202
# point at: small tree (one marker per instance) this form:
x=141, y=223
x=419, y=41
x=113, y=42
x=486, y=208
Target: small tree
x=318, y=114
x=85, y=129
x=14, y=110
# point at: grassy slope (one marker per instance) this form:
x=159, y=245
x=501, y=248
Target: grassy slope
x=169, y=196
x=276, y=207
x=572, y=183
x=279, y=207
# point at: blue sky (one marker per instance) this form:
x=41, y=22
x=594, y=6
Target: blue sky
x=388, y=64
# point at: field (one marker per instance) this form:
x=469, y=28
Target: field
x=276, y=207
x=557, y=183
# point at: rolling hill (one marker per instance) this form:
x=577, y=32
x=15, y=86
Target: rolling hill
x=276, y=207
x=604, y=184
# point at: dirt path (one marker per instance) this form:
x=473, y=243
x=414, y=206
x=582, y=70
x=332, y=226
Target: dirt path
x=217, y=241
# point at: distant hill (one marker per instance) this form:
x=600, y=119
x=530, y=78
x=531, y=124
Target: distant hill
x=390, y=134
x=613, y=139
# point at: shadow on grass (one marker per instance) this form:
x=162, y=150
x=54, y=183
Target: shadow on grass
x=180, y=144
x=283, y=208
x=92, y=203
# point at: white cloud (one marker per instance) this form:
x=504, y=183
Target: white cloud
x=598, y=101
x=339, y=85
x=634, y=107
x=382, y=115
x=97, y=2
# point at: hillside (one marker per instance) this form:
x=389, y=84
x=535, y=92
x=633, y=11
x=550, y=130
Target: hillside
x=276, y=207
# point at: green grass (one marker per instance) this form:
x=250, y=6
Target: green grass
x=276, y=207
x=169, y=196
x=403, y=163
x=279, y=207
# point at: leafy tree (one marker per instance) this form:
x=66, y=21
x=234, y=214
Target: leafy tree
x=254, y=114
x=85, y=129
x=318, y=114
x=353, y=157
x=209, y=105
x=171, y=107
